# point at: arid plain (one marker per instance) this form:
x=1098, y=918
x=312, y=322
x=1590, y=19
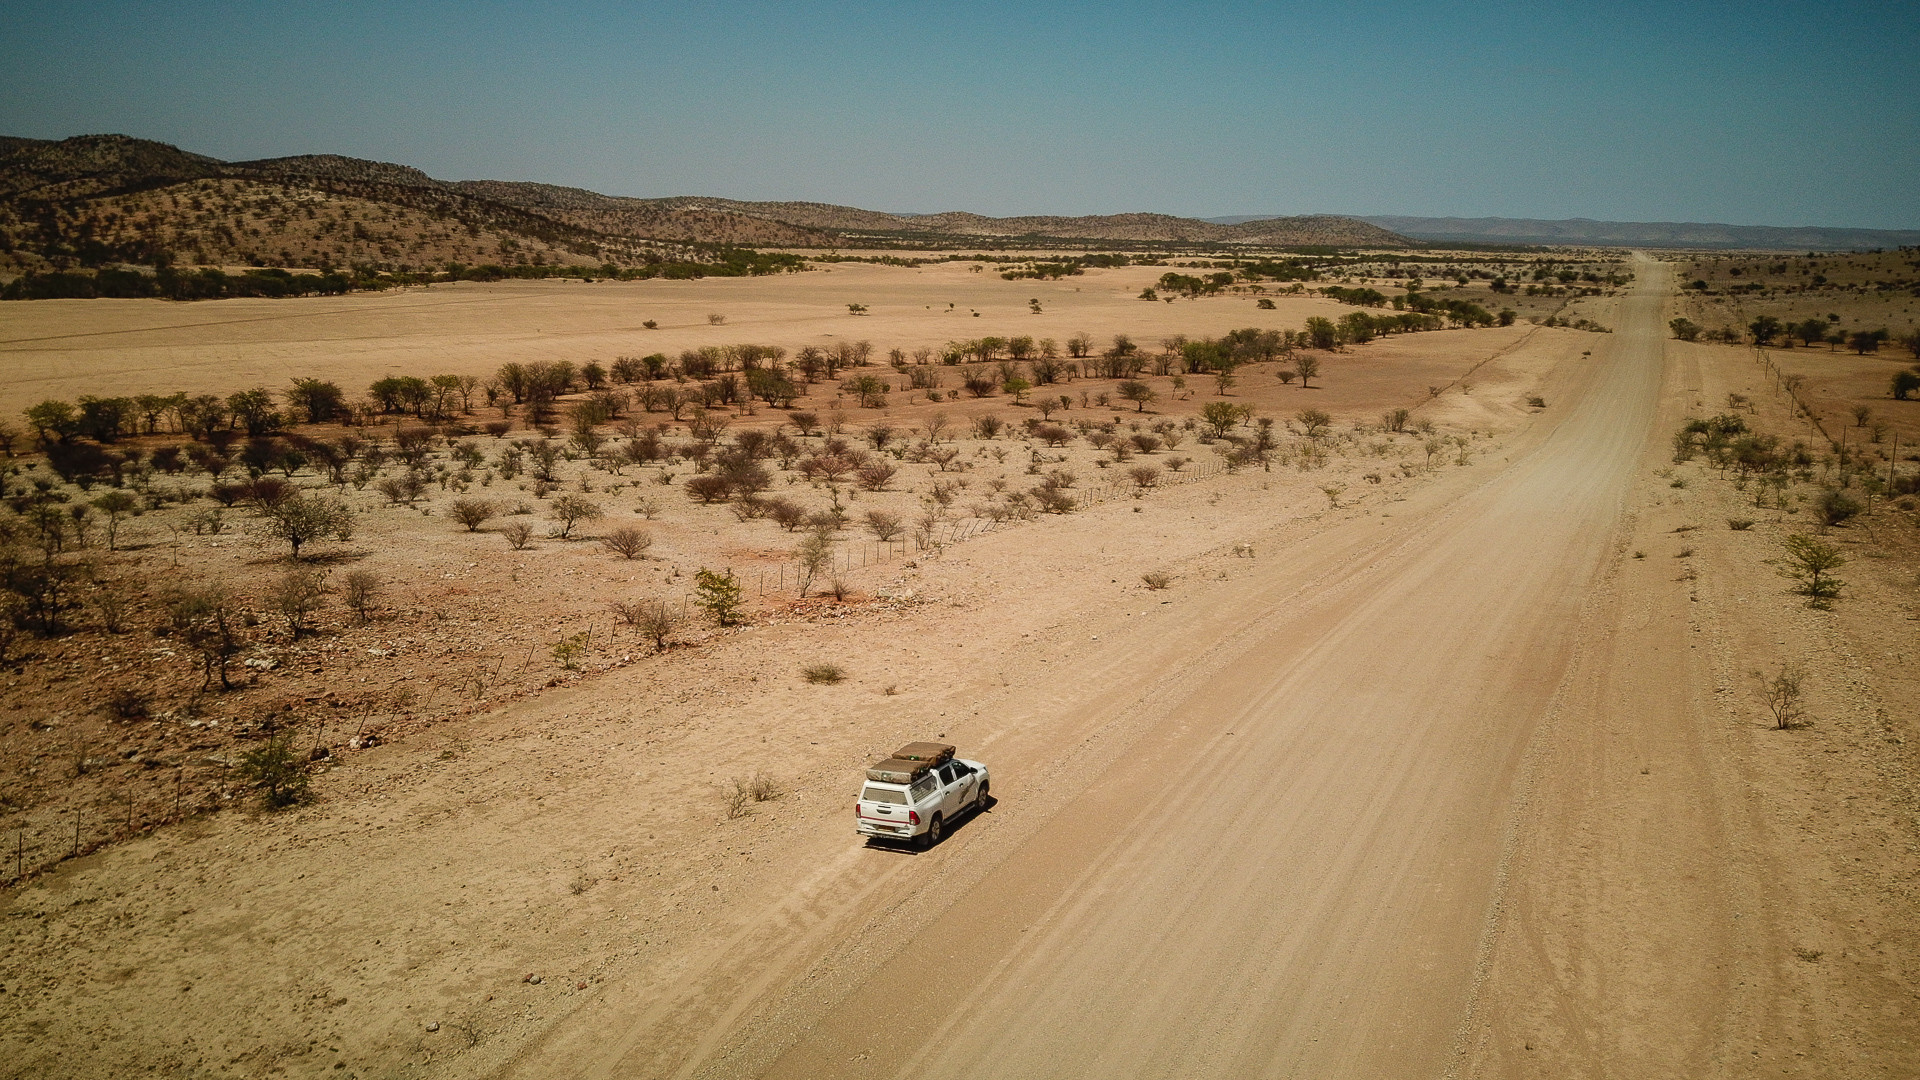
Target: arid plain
x=1440, y=753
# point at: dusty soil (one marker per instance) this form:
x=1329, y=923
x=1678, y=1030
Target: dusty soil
x=1862, y=290
x=1427, y=785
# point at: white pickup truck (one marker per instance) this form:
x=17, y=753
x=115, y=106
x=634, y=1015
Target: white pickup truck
x=915, y=794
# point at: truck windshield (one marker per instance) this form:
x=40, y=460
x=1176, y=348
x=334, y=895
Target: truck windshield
x=881, y=794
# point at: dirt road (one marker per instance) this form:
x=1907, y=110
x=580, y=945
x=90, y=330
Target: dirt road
x=1291, y=870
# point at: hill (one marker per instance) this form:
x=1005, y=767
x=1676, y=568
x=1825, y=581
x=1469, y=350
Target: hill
x=1584, y=232
x=100, y=200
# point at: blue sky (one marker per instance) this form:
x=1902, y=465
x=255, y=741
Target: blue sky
x=1748, y=113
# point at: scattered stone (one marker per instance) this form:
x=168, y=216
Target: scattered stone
x=433, y=1025
x=534, y=979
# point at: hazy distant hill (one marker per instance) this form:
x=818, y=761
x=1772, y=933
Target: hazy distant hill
x=828, y=224
x=97, y=200
x=1660, y=234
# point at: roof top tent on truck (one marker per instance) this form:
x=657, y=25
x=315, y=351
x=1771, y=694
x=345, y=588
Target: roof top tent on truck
x=915, y=793
x=910, y=762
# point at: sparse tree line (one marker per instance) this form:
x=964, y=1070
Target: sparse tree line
x=1770, y=330
x=168, y=283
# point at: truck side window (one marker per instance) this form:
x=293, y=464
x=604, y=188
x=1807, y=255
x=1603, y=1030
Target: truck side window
x=947, y=774
x=921, y=787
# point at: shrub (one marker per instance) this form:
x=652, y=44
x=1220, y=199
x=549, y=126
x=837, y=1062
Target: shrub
x=1811, y=561
x=824, y=674
x=363, y=589
x=1157, y=580
x=518, y=534
x=627, y=541
x=403, y=489
x=308, y=517
x=762, y=788
x=719, y=596
x=1783, y=695
x=128, y=703
x=884, y=526
x=875, y=475
x=658, y=621
x=297, y=596
x=1837, y=506
x=472, y=513
x=570, y=510
x=784, y=512
x=277, y=770
x=1144, y=476
x=1739, y=524
x=813, y=556
x=1052, y=434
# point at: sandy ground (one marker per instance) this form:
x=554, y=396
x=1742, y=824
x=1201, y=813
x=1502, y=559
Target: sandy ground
x=1429, y=786
x=65, y=348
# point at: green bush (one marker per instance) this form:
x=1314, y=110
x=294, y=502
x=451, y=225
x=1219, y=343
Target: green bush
x=277, y=770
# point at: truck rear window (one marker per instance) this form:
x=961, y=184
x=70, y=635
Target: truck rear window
x=881, y=794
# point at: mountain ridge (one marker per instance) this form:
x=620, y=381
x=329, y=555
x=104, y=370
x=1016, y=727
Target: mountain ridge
x=99, y=199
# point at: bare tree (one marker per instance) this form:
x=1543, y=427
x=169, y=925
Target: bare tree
x=363, y=591
x=297, y=596
x=1783, y=696
x=207, y=620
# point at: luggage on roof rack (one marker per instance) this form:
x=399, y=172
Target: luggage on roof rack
x=896, y=771
x=931, y=752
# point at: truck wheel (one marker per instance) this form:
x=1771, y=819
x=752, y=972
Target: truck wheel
x=932, y=835
x=980, y=800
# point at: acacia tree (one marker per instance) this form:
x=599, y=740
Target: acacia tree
x=115, y=505
x=1139, y=393
x=1223, y=416
x=1308, y=367
x=208, y=621
x=1811, y=561
x=317, y=400
x=304, y=518
x=570, y=510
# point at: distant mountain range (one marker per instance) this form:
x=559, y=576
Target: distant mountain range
x=1585, y=232
x=102, y=199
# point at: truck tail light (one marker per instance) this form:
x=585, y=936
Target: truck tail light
x=913, y=817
